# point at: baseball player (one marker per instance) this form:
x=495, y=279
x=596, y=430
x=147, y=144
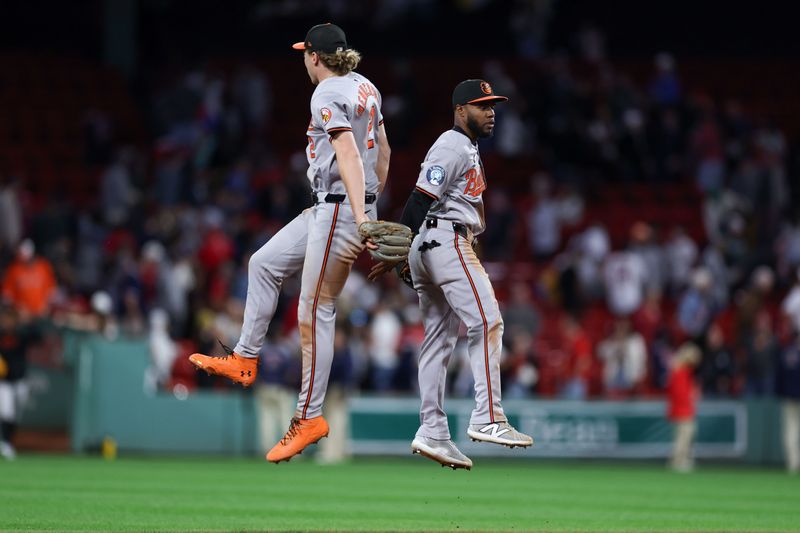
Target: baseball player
x=348, y=158
x=447, y=208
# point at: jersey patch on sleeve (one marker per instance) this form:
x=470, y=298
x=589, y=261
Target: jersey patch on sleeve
x=326, y=115
x=436, y=175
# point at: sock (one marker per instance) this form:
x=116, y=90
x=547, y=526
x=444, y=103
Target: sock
x=7, y=430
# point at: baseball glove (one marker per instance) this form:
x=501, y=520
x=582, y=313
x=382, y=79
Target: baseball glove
x=393, y=239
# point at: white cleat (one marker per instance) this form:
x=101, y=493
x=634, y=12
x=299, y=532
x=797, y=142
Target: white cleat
x=443, y=452
x=499, y=433
x=7, y=451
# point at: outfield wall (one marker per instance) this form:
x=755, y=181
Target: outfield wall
x=102, y=393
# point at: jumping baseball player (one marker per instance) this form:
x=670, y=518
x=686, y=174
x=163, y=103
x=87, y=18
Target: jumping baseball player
x=348, y=158
x=446, y=208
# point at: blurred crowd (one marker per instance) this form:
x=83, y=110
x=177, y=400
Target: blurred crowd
x=591, y=309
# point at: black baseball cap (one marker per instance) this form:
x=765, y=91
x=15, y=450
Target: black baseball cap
x=474, y=92
x=327, y=38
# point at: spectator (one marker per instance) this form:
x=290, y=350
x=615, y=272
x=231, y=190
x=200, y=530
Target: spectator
x=518, y=366
x=625, y=275
x=520, y=316
x=761, y=350
x=665, y=87
x=10, y=214
x=385, y=338
x=791, y=304
x=580, y=361
x=697, y=308
x=544, y=220
x=501, y=222
x=593, y=246
x=683, y=395
x=163, y=350
x=29, y=283
x=14, y=341
x=680, y=253
x=624, y=357
x=118, y=193
x=752, y=301
x=787, y=388
x=718, y=366
x=788, y=247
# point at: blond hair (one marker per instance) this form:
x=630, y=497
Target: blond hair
x=688, y=354
x=341, y=62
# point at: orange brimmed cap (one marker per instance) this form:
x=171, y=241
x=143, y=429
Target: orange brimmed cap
x=475, y=92
x=326, y=38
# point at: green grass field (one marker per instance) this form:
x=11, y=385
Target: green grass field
x=62, y=493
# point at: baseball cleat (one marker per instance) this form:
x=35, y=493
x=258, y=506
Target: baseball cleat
x=443, y=452
x=241, y=370
x=499, y=433
x=301, y=434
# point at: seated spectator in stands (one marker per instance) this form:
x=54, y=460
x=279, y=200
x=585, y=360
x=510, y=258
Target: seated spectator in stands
x=787, y=387
x=544, y=219
x=649, y=318
x=580, y=360
x=682, y=405
x=680, y=253
x=99, y=318
x=520, y=315
x=788, y=247
x=718, y=365
x=624, y=357
x=697, y=308
x=593, y=246
x=665, y=87
x=625, y=276
x=501, y=222
x=518, y=366
x=10, y=214
x=790, y=307
x=751, y=302
x=385, y=332
x=761, y=350
x=29, y=283
x=661, y=351
x=643, y=243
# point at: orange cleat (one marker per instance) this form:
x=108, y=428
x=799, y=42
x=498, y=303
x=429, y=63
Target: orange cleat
x=233, y=366
x=301, y=434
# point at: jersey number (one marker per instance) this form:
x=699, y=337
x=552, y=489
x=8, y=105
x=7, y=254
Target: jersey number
x=311, y=147
x=475, y=182
x=370, y=128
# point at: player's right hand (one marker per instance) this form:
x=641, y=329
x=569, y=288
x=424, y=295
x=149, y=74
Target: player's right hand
x=379, y=269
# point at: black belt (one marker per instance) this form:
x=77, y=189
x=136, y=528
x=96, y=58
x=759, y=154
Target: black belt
x=331, y=198
x=461, y=229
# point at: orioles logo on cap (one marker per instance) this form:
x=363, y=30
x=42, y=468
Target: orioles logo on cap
x=326, y=114
x=486, y=88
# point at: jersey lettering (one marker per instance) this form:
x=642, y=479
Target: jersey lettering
x=475, y=182
x=365, y=90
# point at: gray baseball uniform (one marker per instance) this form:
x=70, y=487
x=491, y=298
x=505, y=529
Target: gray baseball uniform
x=323, y=240
x=453, y=287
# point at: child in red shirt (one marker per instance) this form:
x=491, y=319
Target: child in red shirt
x=682, y=399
